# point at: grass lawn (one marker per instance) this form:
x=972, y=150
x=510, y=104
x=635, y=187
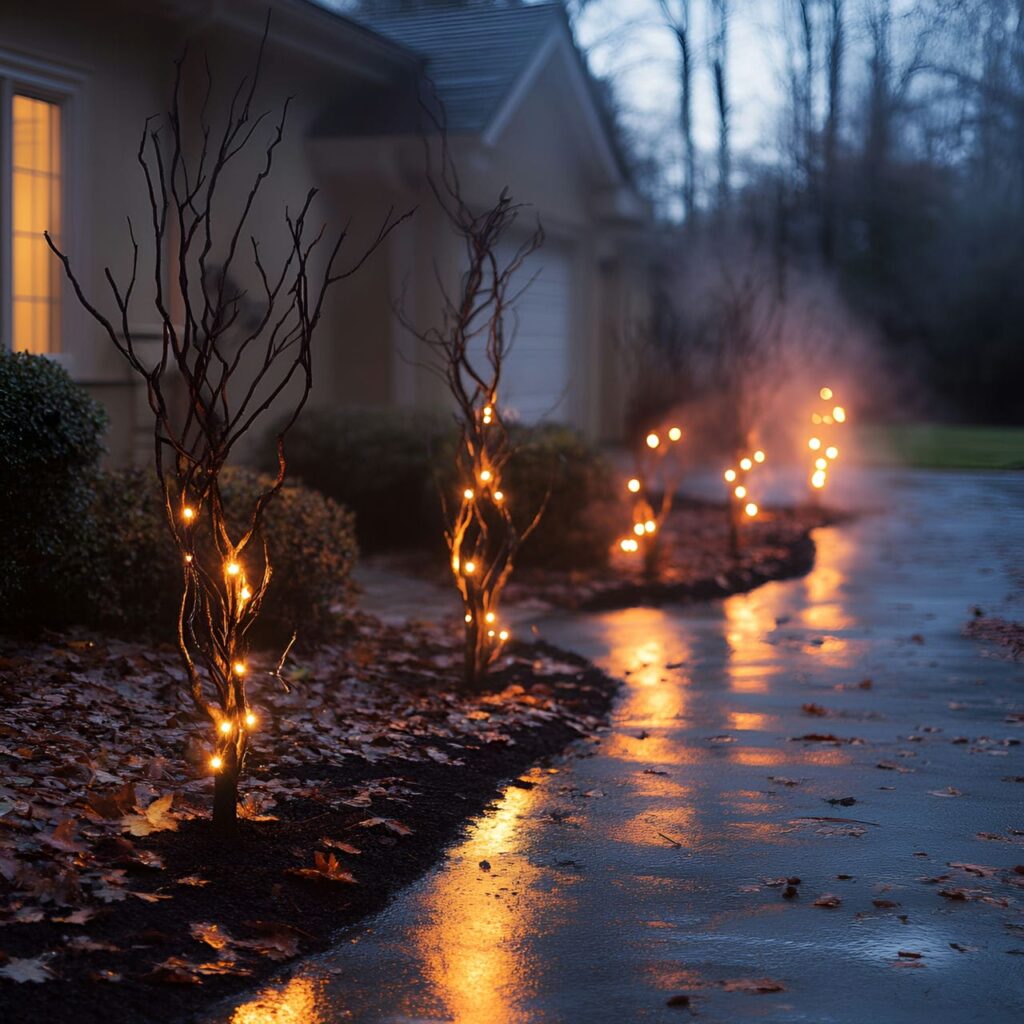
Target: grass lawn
x=940, y=446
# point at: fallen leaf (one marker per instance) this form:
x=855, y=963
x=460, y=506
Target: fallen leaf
x=325, y=869
x=34, y=970
x=753, y=985
x=337, y=844
x=389, y=823
x=155, y=818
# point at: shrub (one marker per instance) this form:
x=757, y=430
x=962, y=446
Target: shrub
x=135, y=579
x=50, y=443
x=583, y=515
x=378, y=463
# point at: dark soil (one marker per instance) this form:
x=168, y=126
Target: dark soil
x=248, y=888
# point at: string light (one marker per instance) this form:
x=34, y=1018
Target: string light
x=740, y=492
x=674, y=433
x=489, y=617
x=826, y=394
x=650, y=526
x=633, y=485
x=469, y=618
x=629, y=545
x=188, y=559
x=232, y=568
x=751, y=509
x=485, y=475
x=653, y=440
x=188, y=513
x=814, y=443
x=832, y=451
x=821, y=463
x=746, y=465
x=468, y=494
x=225, y=727
x=250, y=721
x=216, y=762
x=470, y=568
x=245, y=593
x=239, y=668
x=839, y=413
x=818, y=478
x=499, y=496
x=503, y=635
x=759, y=456
x=638, y=529
x=730, y=475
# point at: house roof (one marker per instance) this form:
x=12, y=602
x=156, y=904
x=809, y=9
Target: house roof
x=474, y=54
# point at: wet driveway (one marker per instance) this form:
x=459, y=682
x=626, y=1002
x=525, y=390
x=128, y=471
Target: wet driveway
x=647, y=865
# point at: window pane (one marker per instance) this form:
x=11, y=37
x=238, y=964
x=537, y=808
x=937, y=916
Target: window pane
x=35, y=194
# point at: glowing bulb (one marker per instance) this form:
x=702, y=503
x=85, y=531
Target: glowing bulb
x=674, y=433
x=746, y=464
x=245, y=593
x=469, y=618
x=490, y=633
x=485, y=475
x=827, y=420
x=740, y=492
x=730, y=475
x=650, y=526
x=831, y=451
x=232, y=568
x=488, y=411
x=239, y=667
x=653, y=440
x=814, y=443
x=489, y=617
x=750, y=509
x=759, y=456
x=216, y=762
x=468, y=494
x=839, y=413
x=821, y=463
x=188, y=558
x=826, y=394
x=816, y=417
x=188, y=513
x=503, y=635
x=499, y=495
x=818, y=478
x=225, y=727
x=470, y=568
x=627, y=544
x=250, y=720
x=633, y=485
x=638, y=529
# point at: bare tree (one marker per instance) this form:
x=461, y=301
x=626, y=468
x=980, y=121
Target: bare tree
x=835, y=47
x=469, y=350
x=233, y=370
x=677, y=17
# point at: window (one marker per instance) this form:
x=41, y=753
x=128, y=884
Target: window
x=36, y=189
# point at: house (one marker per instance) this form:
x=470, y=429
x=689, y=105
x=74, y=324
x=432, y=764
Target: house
x=77, y=82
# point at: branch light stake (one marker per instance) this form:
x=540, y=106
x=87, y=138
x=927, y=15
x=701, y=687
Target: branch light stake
x=826, y=421
x=737, y=480
x=657, y=467
x=235, y=355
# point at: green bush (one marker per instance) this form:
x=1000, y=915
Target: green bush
x=50, y=442
x=135, y=577
x=583, y=515
x=378, y=463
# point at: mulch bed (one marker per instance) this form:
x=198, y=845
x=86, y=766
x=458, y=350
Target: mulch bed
x=118, y=904
x=695, y=565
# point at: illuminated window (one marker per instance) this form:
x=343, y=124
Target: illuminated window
x=36, y=207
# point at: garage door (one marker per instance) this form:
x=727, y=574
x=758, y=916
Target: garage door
x=535, y=379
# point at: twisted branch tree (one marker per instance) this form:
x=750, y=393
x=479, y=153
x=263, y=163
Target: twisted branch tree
x=234, y=356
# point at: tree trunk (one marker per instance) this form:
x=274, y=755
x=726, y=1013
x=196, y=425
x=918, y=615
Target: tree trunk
x=834, y=68
x=686, y=126
x=720, y=12
x=225, y=796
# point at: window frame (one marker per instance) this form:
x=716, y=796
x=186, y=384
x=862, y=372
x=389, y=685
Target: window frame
x=61, y=85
